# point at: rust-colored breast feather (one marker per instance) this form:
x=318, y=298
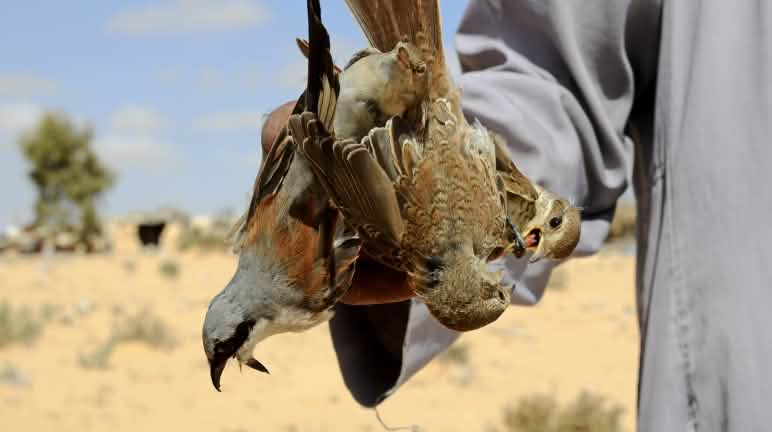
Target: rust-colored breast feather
x=293, y=244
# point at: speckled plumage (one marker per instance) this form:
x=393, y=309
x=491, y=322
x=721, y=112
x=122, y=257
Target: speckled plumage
x=422, y=191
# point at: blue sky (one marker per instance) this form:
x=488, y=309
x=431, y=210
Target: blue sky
x=175, y=90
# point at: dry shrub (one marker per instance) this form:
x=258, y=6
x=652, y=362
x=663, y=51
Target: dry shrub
x=169, y=269
x=142, y=327
x=457, y=354
x=20, y=325
x=542, y=413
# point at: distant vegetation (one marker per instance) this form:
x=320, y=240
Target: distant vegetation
x=19, y=325
x=69, y=178
x=541, y=413
x=141, y=327
x=215, y=236
x=169, y=268
x=457, y=354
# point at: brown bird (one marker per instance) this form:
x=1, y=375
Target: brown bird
x=422, y=191
x=551, y=226
x=291, y=270
x=375, y=86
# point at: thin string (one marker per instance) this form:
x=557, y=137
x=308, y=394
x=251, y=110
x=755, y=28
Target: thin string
x=412, y=428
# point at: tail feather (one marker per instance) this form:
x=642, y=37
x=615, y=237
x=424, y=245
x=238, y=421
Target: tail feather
x=387, y=22
x=323, y=86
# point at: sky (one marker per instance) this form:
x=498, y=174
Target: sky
x=175, y=90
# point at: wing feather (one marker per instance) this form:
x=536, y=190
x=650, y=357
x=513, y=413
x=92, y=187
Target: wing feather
x=358, y=185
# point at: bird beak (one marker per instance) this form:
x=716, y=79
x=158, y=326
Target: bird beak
x=533, y=238
x=217, y=366
x=537, y=254
x=215, y=371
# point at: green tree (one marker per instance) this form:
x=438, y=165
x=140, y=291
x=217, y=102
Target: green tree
x=68, y=175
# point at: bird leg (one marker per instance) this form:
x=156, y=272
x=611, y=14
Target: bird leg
x=518, y=244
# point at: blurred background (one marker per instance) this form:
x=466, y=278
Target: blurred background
x=129, y=143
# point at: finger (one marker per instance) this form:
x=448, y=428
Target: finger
x=376, y=284
x=276, y=120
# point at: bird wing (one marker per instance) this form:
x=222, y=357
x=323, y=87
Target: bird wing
x=358, y=185
x=516, y=183
x=330, y=277
x=520, y=193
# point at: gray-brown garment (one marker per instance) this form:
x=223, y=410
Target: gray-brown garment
x=582, y=91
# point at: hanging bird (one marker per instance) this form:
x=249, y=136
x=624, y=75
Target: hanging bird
x=551, y=226
x=422, y=191
x=375, y=86
x=291, y=270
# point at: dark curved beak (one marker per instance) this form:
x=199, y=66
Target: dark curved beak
x=216, y=367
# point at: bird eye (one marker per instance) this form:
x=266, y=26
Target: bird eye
x=556, y=221
x=502, y=297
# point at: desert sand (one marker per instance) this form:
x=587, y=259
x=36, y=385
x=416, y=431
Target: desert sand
x=583, y=335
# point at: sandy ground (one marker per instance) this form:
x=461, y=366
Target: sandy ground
x=583, y=335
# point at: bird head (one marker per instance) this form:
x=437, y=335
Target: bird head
x=555, y=231
x=460, y=292
x=414, y=72
x=233, y=325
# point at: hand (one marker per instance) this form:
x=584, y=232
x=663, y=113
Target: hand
x=373, y=282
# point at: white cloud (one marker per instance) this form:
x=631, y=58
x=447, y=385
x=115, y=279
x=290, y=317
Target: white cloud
x=131, y=142
x=136, y=120
x=189, y=16
x=231, y=120
x=26, y=86
x=18, y=117
x=136, y=153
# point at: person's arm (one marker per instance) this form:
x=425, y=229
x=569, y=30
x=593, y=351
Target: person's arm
x=557, y=79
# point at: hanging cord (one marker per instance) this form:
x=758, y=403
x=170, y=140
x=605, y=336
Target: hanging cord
x=411, y=428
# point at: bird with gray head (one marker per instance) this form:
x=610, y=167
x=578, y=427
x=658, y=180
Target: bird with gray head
x=422, y=191
x=296, y=258
x=550, y=224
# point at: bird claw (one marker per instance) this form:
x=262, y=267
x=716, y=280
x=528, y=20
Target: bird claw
x=518, y=244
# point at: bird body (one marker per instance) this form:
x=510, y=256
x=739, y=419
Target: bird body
x=422, y=190
x=549, y=224
x=296, y=258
